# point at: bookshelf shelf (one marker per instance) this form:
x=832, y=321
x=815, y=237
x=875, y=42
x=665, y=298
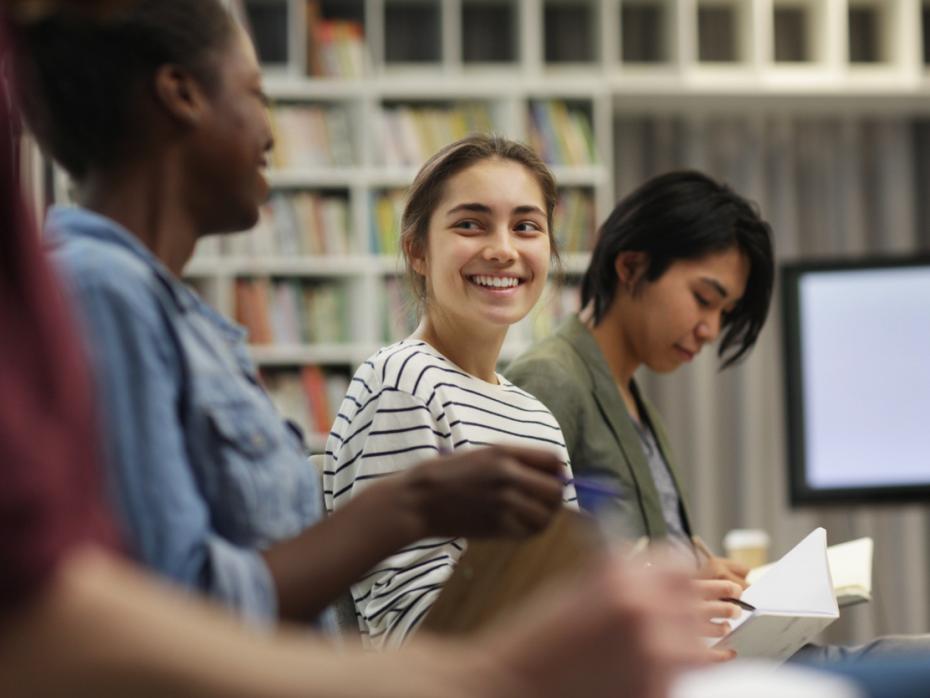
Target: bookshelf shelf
x=321, y=178
x=311, y=266
x=397, y=64
x=318, y=355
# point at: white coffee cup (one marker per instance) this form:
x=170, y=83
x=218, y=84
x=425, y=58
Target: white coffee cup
x=750, y=546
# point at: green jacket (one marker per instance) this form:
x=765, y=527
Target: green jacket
x=569, y=374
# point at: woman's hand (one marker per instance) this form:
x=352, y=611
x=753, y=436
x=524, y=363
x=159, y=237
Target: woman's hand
x=721, y=568
x=712, y=610
x=494, y=491
x=619, y=629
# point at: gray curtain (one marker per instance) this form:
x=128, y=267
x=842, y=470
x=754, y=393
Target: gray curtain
x=830, y=185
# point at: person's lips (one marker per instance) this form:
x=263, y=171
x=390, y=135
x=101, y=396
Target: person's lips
x=685, y=354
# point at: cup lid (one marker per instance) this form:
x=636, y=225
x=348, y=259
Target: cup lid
x=746, y=538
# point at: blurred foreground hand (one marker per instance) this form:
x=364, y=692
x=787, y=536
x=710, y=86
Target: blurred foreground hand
x=622, y=629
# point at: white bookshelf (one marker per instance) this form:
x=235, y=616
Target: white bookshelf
x=606, y=58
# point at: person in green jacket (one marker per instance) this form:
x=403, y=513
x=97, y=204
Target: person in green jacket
x=681, y=262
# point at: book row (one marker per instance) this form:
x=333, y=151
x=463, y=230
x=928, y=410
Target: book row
x=296, y=224
x=320, y=135
x=335, y=47
x=309, y=397
x=311, y=135
x=291, y=312
x=561, y=134
x=409, y=135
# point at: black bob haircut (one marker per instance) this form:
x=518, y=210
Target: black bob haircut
x=79, y=76
x=686, y=215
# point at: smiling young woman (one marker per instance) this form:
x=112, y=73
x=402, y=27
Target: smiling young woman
x=477, y=239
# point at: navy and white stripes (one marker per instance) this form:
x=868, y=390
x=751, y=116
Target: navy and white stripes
x=406, y=404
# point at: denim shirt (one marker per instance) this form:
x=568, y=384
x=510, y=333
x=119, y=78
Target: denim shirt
x=203, y=470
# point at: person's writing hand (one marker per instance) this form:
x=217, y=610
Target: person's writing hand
x=721, y=568
x=713, y=611
x=622, y=629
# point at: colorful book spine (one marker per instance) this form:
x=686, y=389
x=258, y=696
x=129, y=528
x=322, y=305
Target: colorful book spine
x=410, y=134
x=296, y=224
x=574, y=220
x=310, y=397
x=386, y=210
x=561, y=134
x=311, y=135
x=290, y=312
x=335, y=47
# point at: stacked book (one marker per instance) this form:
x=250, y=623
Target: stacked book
x=309, y=397
x=290, y=312
x=561, y=135
x=575, y=222
x=386, y=210
x=335, y=47
x=410, y=135
x=296, y=224
x=311, y=135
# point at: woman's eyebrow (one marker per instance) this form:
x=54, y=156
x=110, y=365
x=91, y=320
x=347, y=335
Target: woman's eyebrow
x=472, y=207
x=527, y=208
x=716, y=285
x=484, y=208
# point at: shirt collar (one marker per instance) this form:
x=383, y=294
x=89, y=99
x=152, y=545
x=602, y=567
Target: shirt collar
x=580, y=337
x=76, y=222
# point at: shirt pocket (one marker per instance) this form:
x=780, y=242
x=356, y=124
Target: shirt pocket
x=262, y=488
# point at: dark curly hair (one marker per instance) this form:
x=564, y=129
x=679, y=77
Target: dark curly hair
x=79, y=76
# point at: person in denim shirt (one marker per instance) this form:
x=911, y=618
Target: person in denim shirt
x=159, y=116
x=209, y=472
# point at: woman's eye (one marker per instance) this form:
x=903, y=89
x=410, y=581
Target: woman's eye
x=527, y=227
x=701, y=301
x=468, y=225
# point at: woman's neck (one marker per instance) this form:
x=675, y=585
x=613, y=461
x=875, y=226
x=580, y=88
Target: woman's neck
x=148, y=202
x=476, y=354
x=619, y=355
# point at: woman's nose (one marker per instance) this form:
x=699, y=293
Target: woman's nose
x=500, y=247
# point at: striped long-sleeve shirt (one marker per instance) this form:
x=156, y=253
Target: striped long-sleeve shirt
x=405, y=404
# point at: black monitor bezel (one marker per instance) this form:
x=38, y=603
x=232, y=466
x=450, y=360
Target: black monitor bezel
x=800, y=493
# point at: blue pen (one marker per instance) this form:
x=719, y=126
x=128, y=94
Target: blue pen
x=593, y=487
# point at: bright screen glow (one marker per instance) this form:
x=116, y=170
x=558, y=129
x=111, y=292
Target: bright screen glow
x=865, y=357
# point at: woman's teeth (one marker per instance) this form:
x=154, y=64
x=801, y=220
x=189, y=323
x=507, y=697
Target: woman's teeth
x=496, y=281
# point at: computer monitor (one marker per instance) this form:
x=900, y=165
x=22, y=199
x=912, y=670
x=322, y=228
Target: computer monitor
x=857, y=364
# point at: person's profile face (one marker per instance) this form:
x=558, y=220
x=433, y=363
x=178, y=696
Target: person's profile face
x=668, y=321
x=234, y=139
x=487, y=252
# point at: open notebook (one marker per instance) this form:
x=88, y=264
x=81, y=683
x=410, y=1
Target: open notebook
x=850, y=567
x=792, y=603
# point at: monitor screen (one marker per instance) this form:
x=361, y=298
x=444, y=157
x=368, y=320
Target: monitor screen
x=857, y=357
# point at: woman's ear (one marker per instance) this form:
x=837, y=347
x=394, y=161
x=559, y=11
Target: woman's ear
x=180, y=94
x=630, y=267
x=415, y=255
